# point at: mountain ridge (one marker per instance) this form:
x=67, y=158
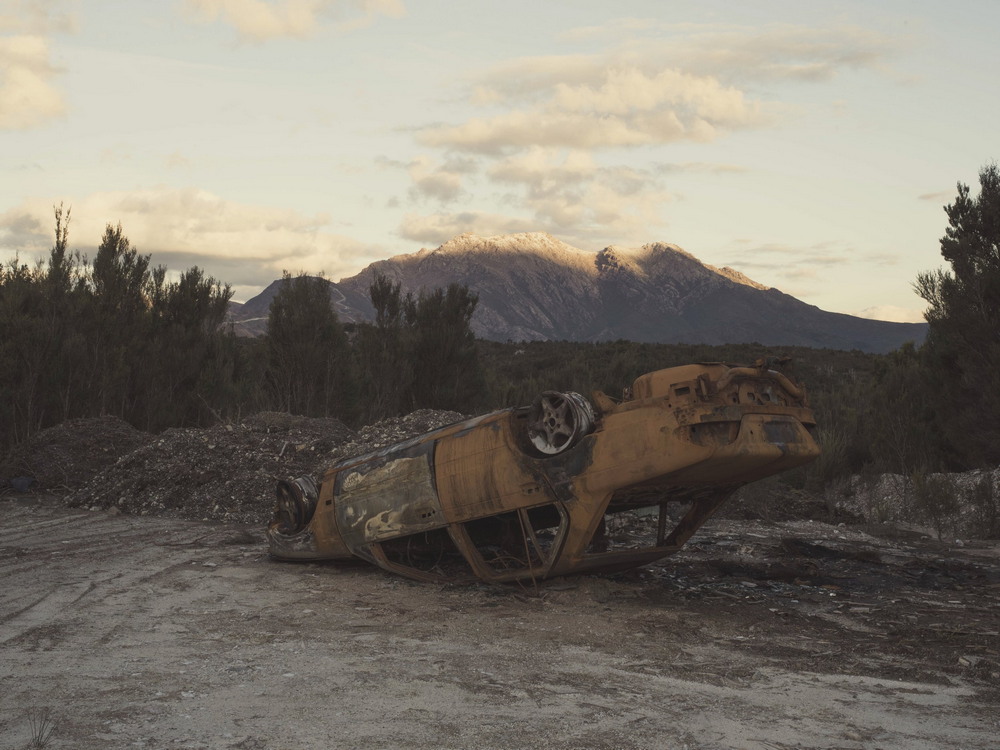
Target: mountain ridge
x=533, y=286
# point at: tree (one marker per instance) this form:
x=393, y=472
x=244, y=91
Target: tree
x=420, y=353
x=383, y=361
x=40, y=341
x=898, y=423
x=446, y=372
x=186, y=363
x=963, y=341
x=309, y=365
x=119, y=280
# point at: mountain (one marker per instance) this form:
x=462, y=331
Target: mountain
x=533, y=286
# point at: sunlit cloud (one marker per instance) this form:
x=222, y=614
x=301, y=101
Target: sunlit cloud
x=549, y=127
x=777, y=51
x=615, y=107
x=441, y=182
x=261, y=20
x=785, y=52
x=237, y=243
x=570, y=193
x=176, y=159
x=436, y=229
x=891, y=313
x=944, y=196
x=28, y=95
x=672, y=83
x=702, y=167
x=36, y=17
x=776, y=255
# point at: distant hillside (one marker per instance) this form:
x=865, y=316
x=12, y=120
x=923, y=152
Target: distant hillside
x=534, y=287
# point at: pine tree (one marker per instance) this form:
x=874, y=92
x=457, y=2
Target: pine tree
x=309, y=364
x=963, y=341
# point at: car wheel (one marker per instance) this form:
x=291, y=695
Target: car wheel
x=557, y=421
x=296, y=504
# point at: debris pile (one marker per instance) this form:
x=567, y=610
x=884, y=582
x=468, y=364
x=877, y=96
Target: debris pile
x=222, y=473
x=68, y=455
x=229, y=472
x=958, y=505
x=393, y=430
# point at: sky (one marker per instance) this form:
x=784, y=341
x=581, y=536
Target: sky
x=810, y=145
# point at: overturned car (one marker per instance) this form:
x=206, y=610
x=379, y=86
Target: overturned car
x=529, y=493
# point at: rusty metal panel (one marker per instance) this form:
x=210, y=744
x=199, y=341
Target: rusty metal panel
x=388, y=497
x=483, y=471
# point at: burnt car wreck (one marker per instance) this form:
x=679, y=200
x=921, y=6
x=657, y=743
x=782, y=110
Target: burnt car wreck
x=528, y=493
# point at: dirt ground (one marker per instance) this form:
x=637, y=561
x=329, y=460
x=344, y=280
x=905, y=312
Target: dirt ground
x=153, y=632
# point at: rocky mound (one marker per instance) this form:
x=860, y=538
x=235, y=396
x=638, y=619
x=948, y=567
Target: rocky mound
x=68, y=455
x=229, y=472
x=393, y=430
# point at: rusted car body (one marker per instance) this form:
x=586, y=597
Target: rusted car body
x=528, y=493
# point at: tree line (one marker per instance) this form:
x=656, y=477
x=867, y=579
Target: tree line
x=112, y=336
x=81, y=338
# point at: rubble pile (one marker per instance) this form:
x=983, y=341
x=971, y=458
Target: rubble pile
x=394, y=430
x=229, y=472
x=224, y=473
x=968, y=506
x=68, y=455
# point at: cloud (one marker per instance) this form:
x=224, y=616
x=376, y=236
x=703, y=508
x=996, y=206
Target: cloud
x=790, y=266
x=235, y=242
x=548, y=128
x=892, y=313
x=28, y=97
x=777, y=51
x=615, y=28
x=175, y=159
x=672, y=83
x=600, y=107
x=261, y=20
x=701, y=166
x=944, y=196
x=785, y=51
x=436, y=229
x=570, y=193
x=35, y=17
x=439, y=182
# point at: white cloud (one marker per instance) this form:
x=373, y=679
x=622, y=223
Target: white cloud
x=35, y=17
x=943, y=196
x=777, y=51
x=260, y=20
x=227, y=239
x=442, y=182
x=774, y=256
x=542, y=172
x=28, y=97
x=663, y=83
x=701, y=166
x=892, y=313
x=548, y=127
x=781, y=51
x=436, y=229
x=572, y=193
x=615, y=106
